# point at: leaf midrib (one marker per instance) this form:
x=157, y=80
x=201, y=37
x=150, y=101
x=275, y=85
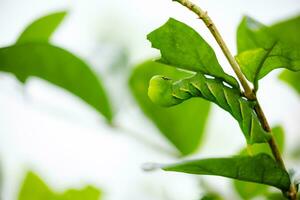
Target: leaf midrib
x=261, y=64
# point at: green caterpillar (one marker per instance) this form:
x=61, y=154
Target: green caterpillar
x=166, y=92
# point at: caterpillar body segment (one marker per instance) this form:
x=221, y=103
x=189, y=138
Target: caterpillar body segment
x=166, y=92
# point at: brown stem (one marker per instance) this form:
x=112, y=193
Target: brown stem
x=272, y=142
x=249, y=93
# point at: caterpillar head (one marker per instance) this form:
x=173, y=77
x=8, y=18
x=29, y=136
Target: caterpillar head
x=160, y=91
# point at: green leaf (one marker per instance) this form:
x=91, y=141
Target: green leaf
x=34, y=183
x=295, y=153
x=41, y=29
x=260, y=168
x=292, y=79
x=251, y=34
x=257, y=63
x=182, y=47
x=87, y=193
x=288, y=30
x=261, y=51
x=59, y=67
x=275, y=196
x=182, y=125
x=167, y=92
x=211, y=196
x=34, y=188
x=278, y=134
x=249, y=190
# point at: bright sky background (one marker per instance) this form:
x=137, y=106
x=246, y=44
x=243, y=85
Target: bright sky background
x=47, y=130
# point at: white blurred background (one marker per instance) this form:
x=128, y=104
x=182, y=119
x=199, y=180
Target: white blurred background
x=49, y=131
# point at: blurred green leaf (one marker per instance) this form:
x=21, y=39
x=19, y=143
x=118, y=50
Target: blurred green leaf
x=34, y=188
x=41, y=29
x=211, y=196
x=33, y=56
x=278, y=134
x=182, y=125
x=295, y=154
x=278, y=196
x=182, y=47
x=289, y=30
x=59, y=67
x=209, y=191
x=87, y=193
x=251, y=34
x=292, y=79
x=260, y=168
x=261, y=51
x=275, y=196
x=248, y=190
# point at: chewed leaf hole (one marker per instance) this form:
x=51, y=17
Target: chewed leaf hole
x=148, y=167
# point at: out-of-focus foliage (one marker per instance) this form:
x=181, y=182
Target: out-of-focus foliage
x=248, y=190
x=41, y=30
x=296, y=153
x=167, y=92
x=57, y=66
x=34, y=56
x=289, y=30
x=261, y=50
x=277, y=196
x=211, y=197
x=278, y=133
x=292, y=79
x=34, y=188
x=184, y=124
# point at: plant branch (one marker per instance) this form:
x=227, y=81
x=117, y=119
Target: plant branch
x=248, y=92
x=215, y=32
x=148, y=143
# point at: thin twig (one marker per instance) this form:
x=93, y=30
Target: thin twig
x=248, y=92
x=152, y=145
